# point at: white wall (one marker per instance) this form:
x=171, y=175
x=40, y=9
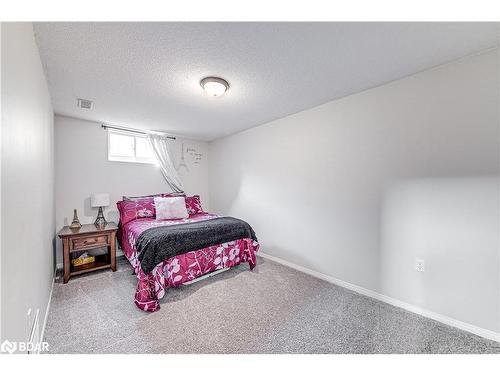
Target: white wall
x=82, y=167
x=1, y=122
x=27, y=194
x=360, y=187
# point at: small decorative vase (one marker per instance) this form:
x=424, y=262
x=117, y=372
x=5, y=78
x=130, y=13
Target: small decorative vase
x=75, y=223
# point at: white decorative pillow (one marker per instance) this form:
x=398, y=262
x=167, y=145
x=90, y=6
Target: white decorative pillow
x=170, y=208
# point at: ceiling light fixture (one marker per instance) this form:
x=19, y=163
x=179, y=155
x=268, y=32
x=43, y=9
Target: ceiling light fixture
x=214, y=86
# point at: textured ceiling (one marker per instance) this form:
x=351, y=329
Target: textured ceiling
x=146, y=75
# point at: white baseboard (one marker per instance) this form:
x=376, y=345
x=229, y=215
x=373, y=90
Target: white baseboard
x=42, y=335
x=491, y=335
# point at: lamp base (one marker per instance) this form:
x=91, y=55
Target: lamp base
x=100, y=221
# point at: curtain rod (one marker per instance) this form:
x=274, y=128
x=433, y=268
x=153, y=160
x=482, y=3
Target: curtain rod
x=130, y=130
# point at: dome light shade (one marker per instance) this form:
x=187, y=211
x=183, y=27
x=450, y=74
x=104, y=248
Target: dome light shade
x=214, y=86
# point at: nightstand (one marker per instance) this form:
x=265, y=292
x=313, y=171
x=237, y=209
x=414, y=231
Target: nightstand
x=88, y=237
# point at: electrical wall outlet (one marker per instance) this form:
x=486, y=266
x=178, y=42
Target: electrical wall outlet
x=419, y=265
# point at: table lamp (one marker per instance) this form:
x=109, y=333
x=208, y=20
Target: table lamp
x=100, y=200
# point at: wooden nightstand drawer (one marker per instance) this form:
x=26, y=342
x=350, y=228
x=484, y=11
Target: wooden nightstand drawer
x=82, y=243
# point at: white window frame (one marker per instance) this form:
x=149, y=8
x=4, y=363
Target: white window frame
x=129, y=159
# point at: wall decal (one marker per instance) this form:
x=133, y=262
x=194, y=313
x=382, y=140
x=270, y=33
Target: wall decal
x=196, y=156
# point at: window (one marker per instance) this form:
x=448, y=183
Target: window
x=129, y=147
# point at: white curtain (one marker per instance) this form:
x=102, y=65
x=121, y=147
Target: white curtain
x=163, y=153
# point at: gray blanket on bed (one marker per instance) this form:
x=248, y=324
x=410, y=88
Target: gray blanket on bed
x=155, y=245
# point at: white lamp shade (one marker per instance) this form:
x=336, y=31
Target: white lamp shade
x=99, y=199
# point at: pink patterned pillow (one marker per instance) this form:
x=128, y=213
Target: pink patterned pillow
x=131, y=210
x=193, y=204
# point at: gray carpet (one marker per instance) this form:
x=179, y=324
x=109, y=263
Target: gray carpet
x=273, y=309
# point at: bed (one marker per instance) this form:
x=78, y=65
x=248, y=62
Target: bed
x=138, y=216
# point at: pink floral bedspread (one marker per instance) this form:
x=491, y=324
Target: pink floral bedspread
x=181, y=268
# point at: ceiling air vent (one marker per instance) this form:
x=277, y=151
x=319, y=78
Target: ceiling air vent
x=85, y=104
